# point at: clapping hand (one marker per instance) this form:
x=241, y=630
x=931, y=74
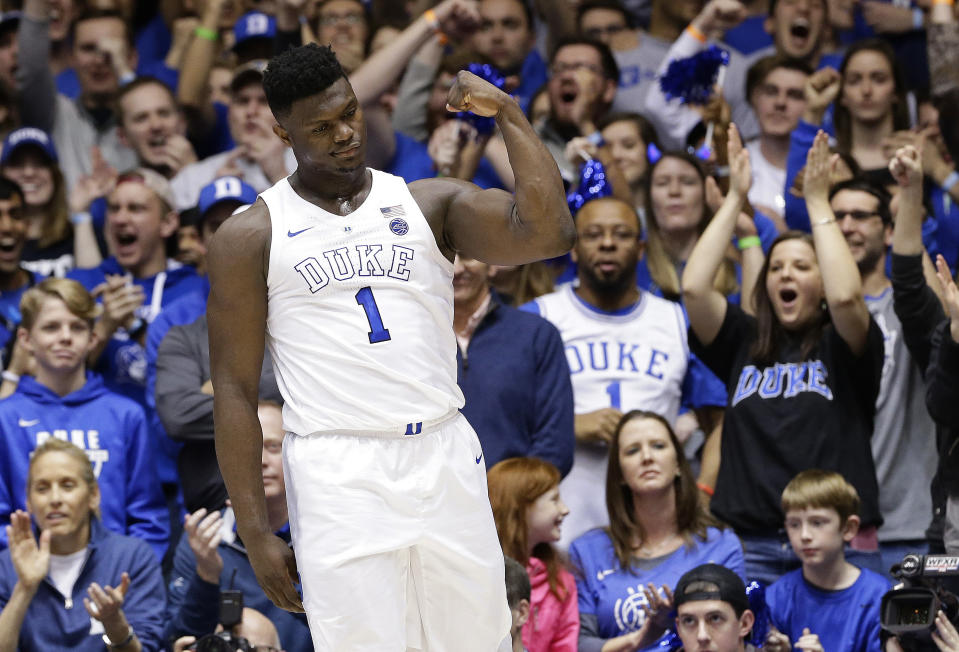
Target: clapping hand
x=819, y=163
x=740, y=170
x=30, y=560
x=808, y=642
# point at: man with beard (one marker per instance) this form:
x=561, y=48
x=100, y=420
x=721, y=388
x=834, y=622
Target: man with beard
x=626, y=350
x=903, y=441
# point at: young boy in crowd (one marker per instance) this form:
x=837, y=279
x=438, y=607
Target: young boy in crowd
x=828, y=603
x=518, y=592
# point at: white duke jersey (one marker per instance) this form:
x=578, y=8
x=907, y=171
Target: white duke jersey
x=630, y=360
x=360, y=313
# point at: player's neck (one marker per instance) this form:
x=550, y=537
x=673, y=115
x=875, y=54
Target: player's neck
x=334, y=192
x=832, y=575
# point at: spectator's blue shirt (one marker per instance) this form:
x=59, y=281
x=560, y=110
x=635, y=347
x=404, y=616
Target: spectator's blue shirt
x=615, y=595
x=194, y=603
x=940, y=233
x=10, y=317
x=58, y=623
x=846, y=620
x=533, y=75
x=412, y=162
x=111, y=429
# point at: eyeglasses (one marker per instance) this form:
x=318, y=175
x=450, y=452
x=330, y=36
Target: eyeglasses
x=559, y=67
x=859, y=216
x=604, y=30
x=330, y=20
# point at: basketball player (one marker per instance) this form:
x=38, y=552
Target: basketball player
x=346, y=273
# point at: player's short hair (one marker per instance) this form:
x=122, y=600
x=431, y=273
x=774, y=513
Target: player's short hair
x=818, y=489
x=517, y=583
x=78, y=301
x=758, y=72
x=297, y=73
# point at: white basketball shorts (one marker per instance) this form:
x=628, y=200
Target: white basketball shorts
x=395, y=541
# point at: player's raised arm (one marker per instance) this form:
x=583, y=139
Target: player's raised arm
x=492, y=225
x=236, y=318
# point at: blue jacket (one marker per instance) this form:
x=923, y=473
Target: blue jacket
x=519, y=397
x=55, y=623
x=193, y=607
x=111, y=429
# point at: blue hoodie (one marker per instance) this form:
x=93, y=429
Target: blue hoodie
x=58, y=623
x=111, y=429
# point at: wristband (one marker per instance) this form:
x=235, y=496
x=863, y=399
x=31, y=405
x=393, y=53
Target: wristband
x=207, y=34
x=943, y=2
x=83, y=217
x=430, y=17
x=749, y=241
x=596, y=139
x=11, y=377
x=123, y=643
x=918, y=18
x=828, y=220
x=706, y=489
x=696, y=33
x=135, y=327
x=951, y=179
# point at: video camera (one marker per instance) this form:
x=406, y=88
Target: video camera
x=909, y=612
x=231, y=613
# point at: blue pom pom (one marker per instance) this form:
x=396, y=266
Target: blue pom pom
x=483, y=125
x=593, y=184
x=756, y=592
x=691, y=80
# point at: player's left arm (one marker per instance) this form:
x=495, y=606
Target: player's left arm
x=492, y=225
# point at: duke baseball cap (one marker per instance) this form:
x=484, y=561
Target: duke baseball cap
x=225, y=189
x=711, y=582
x=248, y=73
x=253, y=24
x=28, y=136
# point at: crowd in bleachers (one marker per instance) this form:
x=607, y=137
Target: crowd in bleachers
x=750, y=358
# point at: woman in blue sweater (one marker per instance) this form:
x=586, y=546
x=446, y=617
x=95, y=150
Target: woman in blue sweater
x=79, y=587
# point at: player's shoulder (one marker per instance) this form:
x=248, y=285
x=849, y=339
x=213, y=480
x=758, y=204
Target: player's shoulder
x=244, y=234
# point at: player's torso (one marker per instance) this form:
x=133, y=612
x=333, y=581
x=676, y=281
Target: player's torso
x=634, y=360
x=359, y=312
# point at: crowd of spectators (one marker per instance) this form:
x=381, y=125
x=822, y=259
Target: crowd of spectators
x=750, y=358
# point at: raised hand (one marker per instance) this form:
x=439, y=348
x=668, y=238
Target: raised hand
x=818, y=165
x=458, y=18
x=808, y=642
x=476, y=95
x=740, y=170
x=659, y=605
x=121, y=298
x=821, y=90
x=105, y=603
x=718, y=16
x=776, y=641
x=98, y=183
x=906, y=167
x=203, y=535
x=30, y=560
x=950, y=295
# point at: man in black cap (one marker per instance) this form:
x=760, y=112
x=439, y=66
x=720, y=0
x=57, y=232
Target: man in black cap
x=712, y=610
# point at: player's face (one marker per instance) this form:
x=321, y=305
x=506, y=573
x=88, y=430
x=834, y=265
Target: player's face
x=150, y=117
x=868, y=87
x=470, y=282
x=59, y=340
x=647, y=457
x=676, y=192
x=327, y=131
x=504, y=36
x=858, y=215
x=545, y=518
x=798, y=26
x=271, y=420
x=628, y=149
x=60, y=500
x=816, y=535
x=608, y=245
x=137, y=224
x=33, y=172
x=712, y=626
x=13, y=233
x=779, y=101
x=794, y=283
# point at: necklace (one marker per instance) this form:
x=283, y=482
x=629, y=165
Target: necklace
x=649, y=550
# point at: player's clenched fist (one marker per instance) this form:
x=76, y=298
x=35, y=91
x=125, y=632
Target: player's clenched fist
x=476, y=95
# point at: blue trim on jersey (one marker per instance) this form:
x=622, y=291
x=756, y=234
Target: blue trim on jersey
x=622, y=312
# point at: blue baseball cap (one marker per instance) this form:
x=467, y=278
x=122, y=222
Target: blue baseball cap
x=28, y=136
x=9, y=20
x=225, y=189
x=253, y=24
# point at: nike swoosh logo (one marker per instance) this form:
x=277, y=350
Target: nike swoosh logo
x=26, y=423
x=293, y=234
x=479, y=459
x=602, y=574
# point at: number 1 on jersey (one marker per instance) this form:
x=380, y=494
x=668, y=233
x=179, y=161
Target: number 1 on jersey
x=378, y=333
x=613, y=390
